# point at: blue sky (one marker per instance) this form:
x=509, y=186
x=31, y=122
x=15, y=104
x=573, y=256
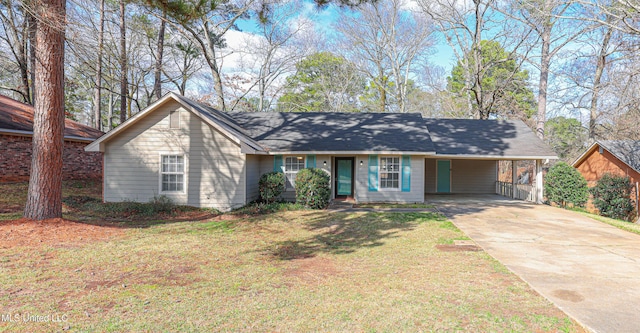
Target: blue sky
x=325, y=17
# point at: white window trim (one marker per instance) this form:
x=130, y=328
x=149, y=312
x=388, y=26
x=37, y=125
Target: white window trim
x=389, y=189
x=286, y=172
x=185, y=173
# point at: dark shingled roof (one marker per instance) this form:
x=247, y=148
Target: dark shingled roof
x=16, y=116
x=628, y=151
x=330, y=131
x=486, y=138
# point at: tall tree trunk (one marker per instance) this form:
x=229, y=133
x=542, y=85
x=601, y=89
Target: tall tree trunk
x=123, y=64
x=600, y=65
x=110, y=112
x=157, y=84
x=44, y=197
x=97, y=95
x=382, y=90
x=210, y=56
x=545, y=62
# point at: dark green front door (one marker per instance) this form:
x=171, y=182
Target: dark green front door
x=344, y=176
x=444, y=177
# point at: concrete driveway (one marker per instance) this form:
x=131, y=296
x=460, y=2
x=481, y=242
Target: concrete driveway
x=589, y=269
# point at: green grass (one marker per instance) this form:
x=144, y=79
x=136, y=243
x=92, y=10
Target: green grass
x=620, y=224
x=393, y=205
x=294, y=271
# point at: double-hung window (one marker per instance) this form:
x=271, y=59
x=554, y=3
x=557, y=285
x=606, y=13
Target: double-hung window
x=172, y=173
x=292, y=164
x=389, y=172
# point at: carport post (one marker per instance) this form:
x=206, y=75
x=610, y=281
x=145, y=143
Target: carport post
x=514, y=176
x=539, y=183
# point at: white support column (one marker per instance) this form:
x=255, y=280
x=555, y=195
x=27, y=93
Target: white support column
x=539, y=183
x=514, y=177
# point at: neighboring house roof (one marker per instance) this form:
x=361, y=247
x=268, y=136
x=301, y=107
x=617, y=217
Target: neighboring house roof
x=337, y=132
x=17, y=118
x=499, y=139
x=627, y=151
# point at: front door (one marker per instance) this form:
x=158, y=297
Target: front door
x=444, y=176
x=344, y=177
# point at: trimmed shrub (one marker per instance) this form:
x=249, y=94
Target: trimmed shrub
x=313, y=188
x=612, y=197
x=565, y=185
x=271, y=186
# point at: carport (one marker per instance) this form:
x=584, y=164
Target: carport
x=469, y=154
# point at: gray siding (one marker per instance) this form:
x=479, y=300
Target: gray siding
x=253, y=177
x=467, y=176
x=473, y=176
x=266, y=165
x=362, y=183
x=215, y=167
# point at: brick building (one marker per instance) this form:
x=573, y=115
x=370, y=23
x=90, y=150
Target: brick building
x=616, y=157
x=16, y=131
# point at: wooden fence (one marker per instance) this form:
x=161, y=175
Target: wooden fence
x=523, y=192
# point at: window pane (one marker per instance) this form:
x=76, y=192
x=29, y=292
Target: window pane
x=172, y=173
x=180, y=164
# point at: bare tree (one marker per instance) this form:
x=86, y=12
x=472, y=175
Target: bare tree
x=97, y=97
x=552, y=33
x=207, y=29
x=269, y=54
x=17, y=38
x=182, y=64
x=469, y=28
x=387, y=41
x=157, y=83
x=44, y=197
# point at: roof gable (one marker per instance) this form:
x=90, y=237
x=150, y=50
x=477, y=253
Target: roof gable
x=18, y=117
x=208, y=114
x=504, y=139
x=627, y=151
x=337, y=132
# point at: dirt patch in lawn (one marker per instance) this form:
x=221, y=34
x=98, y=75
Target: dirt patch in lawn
x=26, y=232
x=458, y=248
x=312, y=270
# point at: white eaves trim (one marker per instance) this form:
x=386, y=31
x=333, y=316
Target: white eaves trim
x=586, y=153
x=494, y=157
x=239, y=138
x=354, y=152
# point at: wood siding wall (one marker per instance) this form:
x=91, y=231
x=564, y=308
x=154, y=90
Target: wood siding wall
x=362, y=183
x=215, y=174
x=253, y=177
x=467, y=176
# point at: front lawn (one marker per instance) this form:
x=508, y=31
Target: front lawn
x=294, y=271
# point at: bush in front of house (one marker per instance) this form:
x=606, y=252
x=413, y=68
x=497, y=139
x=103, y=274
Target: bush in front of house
x=271, y=186
x=612, y=197
x=565, y=185
x=313, y=188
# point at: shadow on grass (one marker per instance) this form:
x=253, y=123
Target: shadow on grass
x=129, y=214
x=340, y=233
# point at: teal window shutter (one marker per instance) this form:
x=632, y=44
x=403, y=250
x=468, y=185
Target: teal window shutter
x=311, y=161
x=373, y=173
x=277, y=163
x=406, y=173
